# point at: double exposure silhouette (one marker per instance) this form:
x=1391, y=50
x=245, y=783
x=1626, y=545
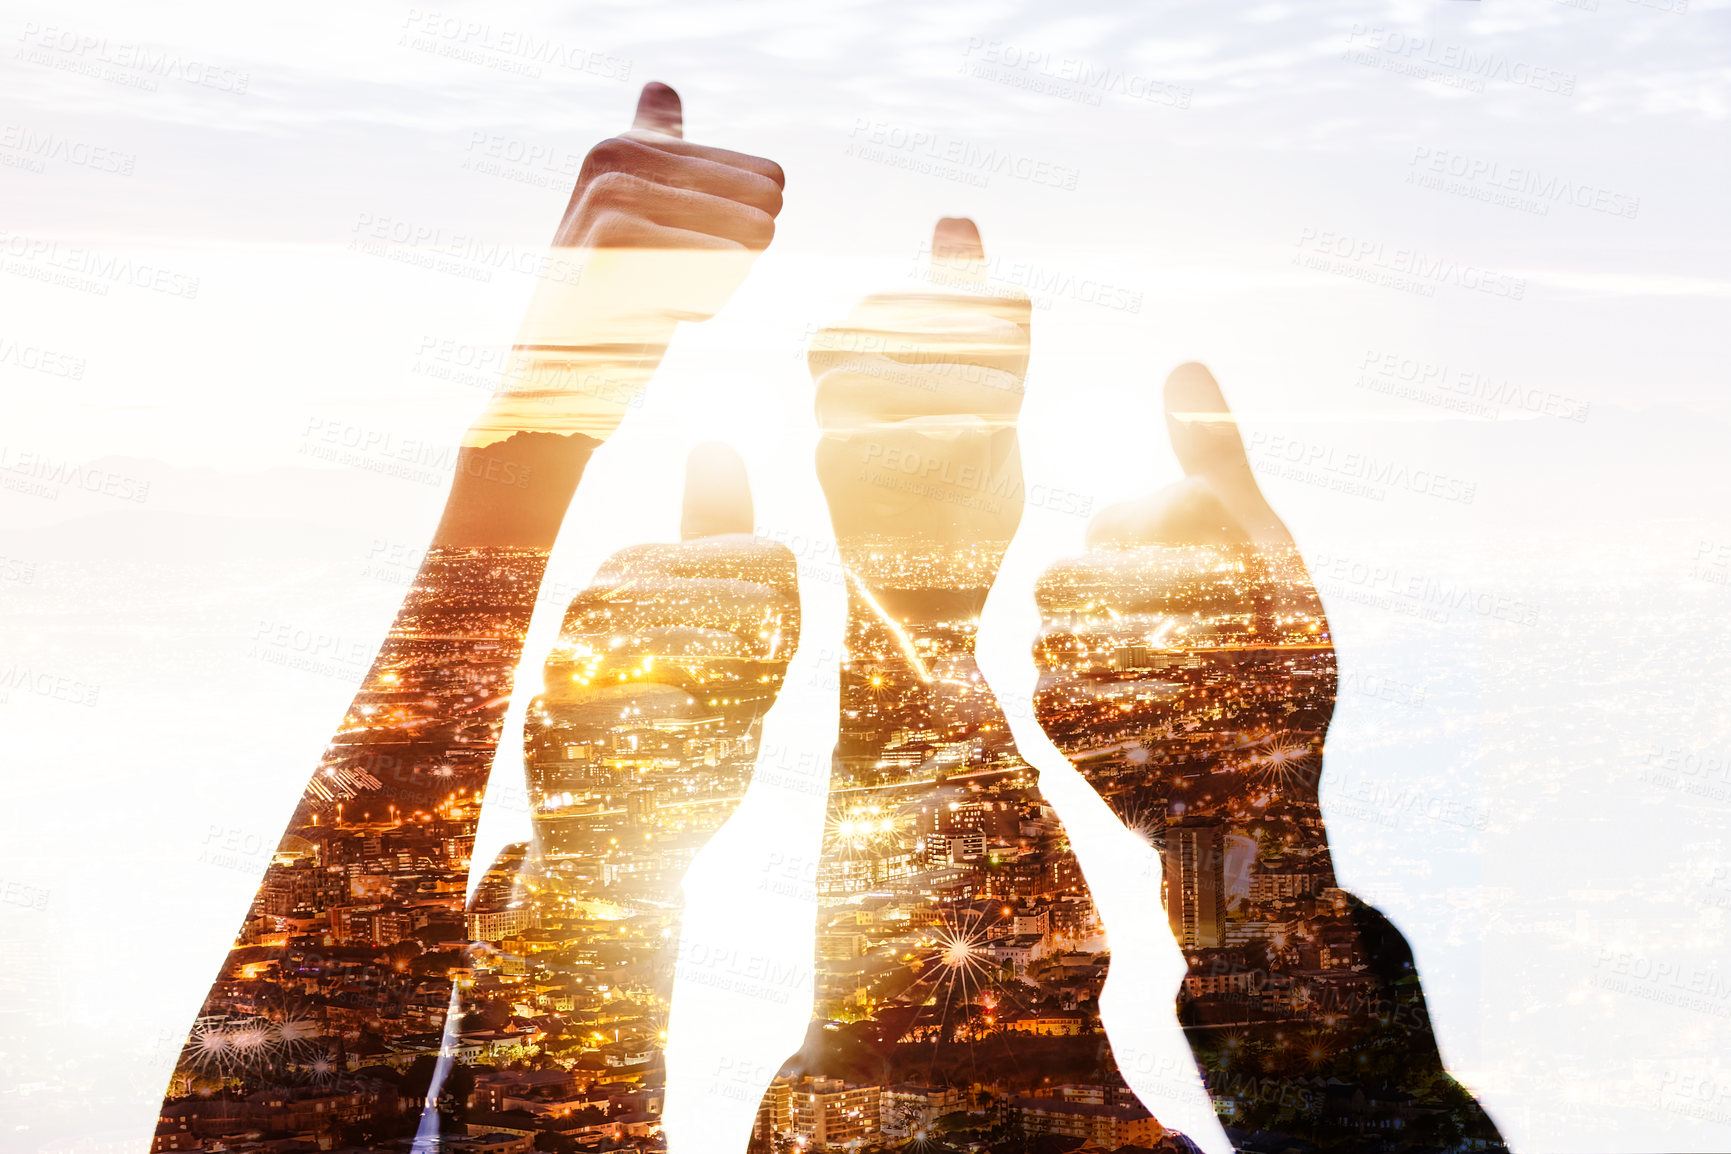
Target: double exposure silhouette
x=1186, y=669
x=328, y=1018
x=1188, y=672
x=960, y=956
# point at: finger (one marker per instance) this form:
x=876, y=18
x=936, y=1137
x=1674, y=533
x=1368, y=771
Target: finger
x=659, y=110
x=970, y=339
x=621, y=230
x=678, y=208
x=891, y=312
x=684, y=167
x=673, y=146
x=717, y=493
x=863, y=389
x=1204, y=435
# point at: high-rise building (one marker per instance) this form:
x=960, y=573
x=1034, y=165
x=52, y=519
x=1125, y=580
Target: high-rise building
x=830, y=1112
x=1195, y=861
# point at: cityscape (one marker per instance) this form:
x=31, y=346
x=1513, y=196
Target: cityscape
x=370, y=1004
x=960, y=955
x=327, y=1026
x=1192, y=685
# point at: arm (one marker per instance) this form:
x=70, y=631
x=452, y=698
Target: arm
x=949, y=898
x=1188, y=669
x=329, y=970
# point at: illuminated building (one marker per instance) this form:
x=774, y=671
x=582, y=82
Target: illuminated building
x=1195, y=862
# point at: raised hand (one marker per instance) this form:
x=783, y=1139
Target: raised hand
x=653, y=696
x=960, y=955
x=650, y=188
x=1191, y=636
x=638, y=748
x=659, y=230
x=917, y=397
x=343, y=954
x=1188, y=671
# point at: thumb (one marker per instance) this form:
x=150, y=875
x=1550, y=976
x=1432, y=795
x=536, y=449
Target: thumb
x=717, y=493
x=958, y=257
x=1204, y=435
x=659, y=110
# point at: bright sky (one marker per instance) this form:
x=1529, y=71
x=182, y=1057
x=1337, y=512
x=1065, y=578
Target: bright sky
x=236, y=239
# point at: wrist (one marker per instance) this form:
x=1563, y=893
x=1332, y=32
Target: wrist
x=512, y=492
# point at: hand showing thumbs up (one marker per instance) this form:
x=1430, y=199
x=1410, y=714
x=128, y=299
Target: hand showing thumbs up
x=658, y=230
x=650, y=188
x=917, y=396
x=1188, y=670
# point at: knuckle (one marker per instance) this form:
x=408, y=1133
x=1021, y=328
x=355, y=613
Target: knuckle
x=611, y=186
x=615, y=154
x=612, y=152
x=766, y=195
x=609, y=224
x=759, y=227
